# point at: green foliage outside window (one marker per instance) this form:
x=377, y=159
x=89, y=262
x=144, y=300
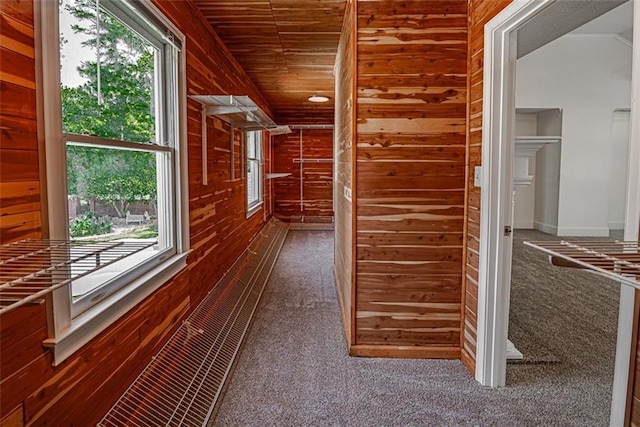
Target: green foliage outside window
x=122, y=109
x=88, y=224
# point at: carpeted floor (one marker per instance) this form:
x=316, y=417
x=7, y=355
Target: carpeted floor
x=294, y=369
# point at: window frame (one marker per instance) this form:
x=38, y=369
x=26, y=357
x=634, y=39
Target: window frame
x=66, y=332
x=167, y=236
x=254, y=206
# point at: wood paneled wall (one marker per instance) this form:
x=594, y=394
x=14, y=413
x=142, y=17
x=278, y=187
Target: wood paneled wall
x=480, y=12
x=19, y=175
x=632, y=416
x=410, y=176
x=344, y=161
x=317, y=178
x=633, y=385
x=80, y=390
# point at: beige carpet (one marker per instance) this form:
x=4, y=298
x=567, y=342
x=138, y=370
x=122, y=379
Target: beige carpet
x=294, y=369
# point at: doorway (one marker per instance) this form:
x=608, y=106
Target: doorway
x=496, y=204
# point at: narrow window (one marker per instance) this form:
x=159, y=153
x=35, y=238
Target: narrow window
x=254, y=171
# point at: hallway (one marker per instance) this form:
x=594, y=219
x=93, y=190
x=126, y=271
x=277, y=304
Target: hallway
x=294, y=369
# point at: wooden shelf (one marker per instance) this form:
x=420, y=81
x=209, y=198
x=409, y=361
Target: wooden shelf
x=276, y=175
x=280, y=130
x=535, y=142
x=31, y=269
x=312, y=160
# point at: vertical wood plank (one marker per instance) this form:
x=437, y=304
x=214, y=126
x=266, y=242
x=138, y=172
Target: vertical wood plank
x=410, y=176
x=19, y=186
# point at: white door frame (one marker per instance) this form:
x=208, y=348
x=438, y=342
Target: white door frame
x=497, y=188
x=495, y=204
x=624, y=352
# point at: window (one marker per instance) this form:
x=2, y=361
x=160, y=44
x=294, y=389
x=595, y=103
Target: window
x=254, y=171
x=115, y=123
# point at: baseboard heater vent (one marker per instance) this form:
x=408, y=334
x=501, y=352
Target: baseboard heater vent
x=181, y=385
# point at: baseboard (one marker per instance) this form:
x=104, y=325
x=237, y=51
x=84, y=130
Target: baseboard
x=616, y=225
x=468, y=361
x=523, y=225
x=343, y=311
x=512, y=352
x=545, y=228
x=404, y=352
x=583, y=231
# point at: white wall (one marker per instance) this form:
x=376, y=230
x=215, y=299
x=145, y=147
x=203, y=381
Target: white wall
x=588, y=77
x=523, y=212
x=547, y=193
x=618, y=169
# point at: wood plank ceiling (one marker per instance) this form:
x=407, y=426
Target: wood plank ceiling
x=288, y=48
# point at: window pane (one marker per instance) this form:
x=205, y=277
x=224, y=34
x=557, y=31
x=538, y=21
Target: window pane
x=250, y=190
x=108, y=75
x=113, y=196
x=251, y=145
x=253, y=182
x=253, y=168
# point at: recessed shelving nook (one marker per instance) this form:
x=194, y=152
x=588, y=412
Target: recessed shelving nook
x=536, y=167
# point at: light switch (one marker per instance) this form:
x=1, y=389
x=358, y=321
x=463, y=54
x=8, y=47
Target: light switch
x=347, y=193
x=477, y=176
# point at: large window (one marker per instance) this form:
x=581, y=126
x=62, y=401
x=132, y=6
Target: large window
x=254, y=171
x=119, y=113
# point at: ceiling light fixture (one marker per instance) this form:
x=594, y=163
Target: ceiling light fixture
x=318, y=98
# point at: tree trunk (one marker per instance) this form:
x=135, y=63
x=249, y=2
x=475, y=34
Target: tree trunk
x=118, y=211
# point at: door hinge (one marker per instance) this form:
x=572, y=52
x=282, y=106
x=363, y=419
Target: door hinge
x=507, y=230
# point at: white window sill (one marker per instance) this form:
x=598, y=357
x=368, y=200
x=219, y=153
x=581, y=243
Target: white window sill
x=254, y=209
x=89, y=324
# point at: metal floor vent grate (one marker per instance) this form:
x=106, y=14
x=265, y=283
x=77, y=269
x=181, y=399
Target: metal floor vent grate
x=182, y=383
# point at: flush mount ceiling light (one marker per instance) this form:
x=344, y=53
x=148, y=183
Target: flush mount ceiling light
x=318, y=98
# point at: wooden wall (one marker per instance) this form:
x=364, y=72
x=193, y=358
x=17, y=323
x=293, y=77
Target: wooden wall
x=480, y=12
x=317, y=178
x=632, y=416
x=80, y=390
x=410, y=176
x=19, y=177
x=633, y=386
x=344, y=162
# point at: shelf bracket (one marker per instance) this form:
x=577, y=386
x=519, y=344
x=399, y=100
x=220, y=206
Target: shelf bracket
x=205, y=171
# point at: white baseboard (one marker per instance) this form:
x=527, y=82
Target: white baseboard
x=545, y=228
x=583, y=231
x=512, y=352
x=523, y=225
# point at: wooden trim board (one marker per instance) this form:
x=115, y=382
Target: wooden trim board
x=405, y=352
